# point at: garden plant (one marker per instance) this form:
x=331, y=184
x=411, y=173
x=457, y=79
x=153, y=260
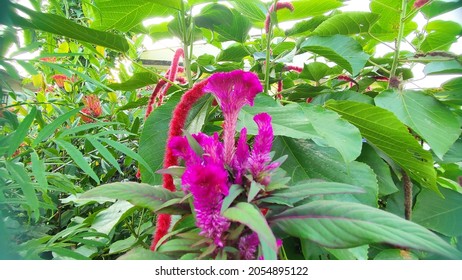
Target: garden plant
x=306, y=135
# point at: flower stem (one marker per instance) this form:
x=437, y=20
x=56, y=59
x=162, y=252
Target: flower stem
x=187, y=42
x=398, y=40
x=269, y=36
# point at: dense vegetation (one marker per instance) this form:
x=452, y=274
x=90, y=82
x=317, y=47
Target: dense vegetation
x=337, y=158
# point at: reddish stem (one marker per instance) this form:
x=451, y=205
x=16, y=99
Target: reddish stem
x=177, y=124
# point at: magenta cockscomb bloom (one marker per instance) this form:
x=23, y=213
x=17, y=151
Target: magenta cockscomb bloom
x=248, y=245
x=233, y=90
x=260, y=156
x=241, y=157
x=208, y=185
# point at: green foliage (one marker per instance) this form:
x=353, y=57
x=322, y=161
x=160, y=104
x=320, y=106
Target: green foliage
x=348, y=125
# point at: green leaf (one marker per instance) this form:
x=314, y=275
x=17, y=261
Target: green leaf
x=129, y=152
x=143, y=101
x=430, y=119
x=343, y=50
x=440, y=35
x=140, y=253
x=443, y=67
x=436, y=8
x=61, y=26
x=441, y=214
x=343, y=95
x=254, y=189
x=305, y=26
x=311, y=188
x=106, y=220
x=381, y=128
x=78, y=158
x=347, y=23
x=250, y=216
x=236, y=30
x=337, y=224
x=125, y=15
x=104, y=152
x=305, y=121
x=177, y=245
x=39, y=169
x=213, y=14
x=307, y=160
x=255, y=10
x=50, y=128
x=236, y=52
x=21, y=132
x=370, y=157
x=20, y=176
x=67, y=253
x=136, y=81
x=234, y=191
x=307, y=8
x=315, y=71
x=138, y=194
x=83, y=127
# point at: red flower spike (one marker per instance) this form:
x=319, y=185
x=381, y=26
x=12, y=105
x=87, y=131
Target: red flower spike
x=419, y=3
x=279, y=6
x=293, y=68
x=59, y=79
x=177, y=123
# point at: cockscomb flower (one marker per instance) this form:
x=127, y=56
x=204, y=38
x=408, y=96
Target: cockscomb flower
x=279, y=6
x=260, y=158
x=208, y=185
x=60, y=79
x=420, y=3
x=92, y=108
x=248, y=245
x=233, y=90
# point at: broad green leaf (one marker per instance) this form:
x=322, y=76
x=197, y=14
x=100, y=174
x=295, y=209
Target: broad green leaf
x=306, y=189
x=212, y=15
x=441, y=35
x=138, y=194
x=347, y=23
x=439, y=214
x=305, y=121
x=140, y=253
x=343, y=95
x=236, y=30
x=307, y=8
x=307, y=160
x=136, y=81
x=20, y=176
x=107, y=219
x=78, y=158
x=370, y=157
x=51, y=127
x=305, y=26
x=61, y=26
x=430, y=119
x=125, y=15
x=356, y=253
x=255, y=10
x=341, y=49
x=177, y=245
x=234, y=191
x=337, y=224
x=443, y=67
x=250, y=216
x=386, y=28
x=381, y=128
x=104, y=152
x=143, y=101
x=438, y=7
x=315, y=71
x=21, y=132
x=236, y=52
x=129, y=152
x=39, y=169
x=122, y=245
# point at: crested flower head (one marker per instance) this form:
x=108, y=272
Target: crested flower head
x=260, y=156
x=248, y=245
x=208, y=185
x=233, y=90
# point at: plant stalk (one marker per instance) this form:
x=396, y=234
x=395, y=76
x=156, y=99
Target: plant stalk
x=187, y=39
x=398, y=40
x=407, y=186
x=269, y=36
